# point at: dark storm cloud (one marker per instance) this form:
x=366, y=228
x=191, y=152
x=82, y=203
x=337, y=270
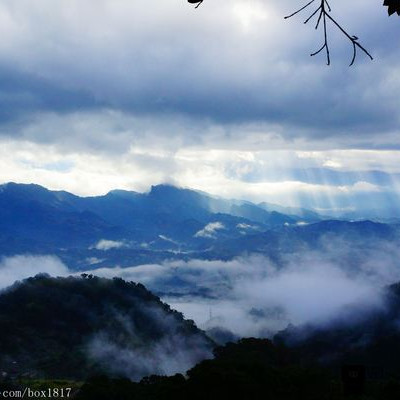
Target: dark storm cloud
x=230, y=64
x=24, y=94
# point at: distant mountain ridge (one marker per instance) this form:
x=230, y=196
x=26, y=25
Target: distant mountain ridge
x=165, y=198
x=35, y=219
x=129, y=228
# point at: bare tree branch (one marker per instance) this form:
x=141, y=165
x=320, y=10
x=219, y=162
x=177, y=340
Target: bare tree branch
x=323, y=11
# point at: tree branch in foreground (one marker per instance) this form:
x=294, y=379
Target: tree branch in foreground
x=323, y=13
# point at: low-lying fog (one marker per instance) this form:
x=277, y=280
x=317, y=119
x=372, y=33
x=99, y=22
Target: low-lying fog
x=250, y=295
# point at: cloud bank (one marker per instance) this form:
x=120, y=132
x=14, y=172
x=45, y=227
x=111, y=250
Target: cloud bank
x=166, y=58
x=24, y=266
x=223, y=98
x=253, y=296
x=105, y=244
x=210, y=229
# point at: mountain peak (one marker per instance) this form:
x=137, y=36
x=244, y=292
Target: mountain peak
x=125, y=194
x=165, y=187
x=22, y=186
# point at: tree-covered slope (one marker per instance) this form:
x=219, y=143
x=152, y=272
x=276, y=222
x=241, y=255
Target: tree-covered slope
x=359, y=335
x=299, y=363
x=75, y=327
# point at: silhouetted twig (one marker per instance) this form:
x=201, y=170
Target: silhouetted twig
x=196, y=1
x=323, y=12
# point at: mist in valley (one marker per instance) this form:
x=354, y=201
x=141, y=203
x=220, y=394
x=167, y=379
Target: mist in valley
x=253, y=296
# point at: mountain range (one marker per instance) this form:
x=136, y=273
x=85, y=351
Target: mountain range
x=167, y=223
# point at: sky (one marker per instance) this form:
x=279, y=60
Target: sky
x=104, y=94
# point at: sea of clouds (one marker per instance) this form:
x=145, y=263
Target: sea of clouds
x=252, y=295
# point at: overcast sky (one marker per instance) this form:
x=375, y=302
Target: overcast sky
x=104, y=94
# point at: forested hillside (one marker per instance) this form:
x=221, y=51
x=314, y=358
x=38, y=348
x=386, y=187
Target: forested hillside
x=76, y=327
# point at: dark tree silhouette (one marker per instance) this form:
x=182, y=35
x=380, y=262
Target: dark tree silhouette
x=393, y=6
x=195, y=2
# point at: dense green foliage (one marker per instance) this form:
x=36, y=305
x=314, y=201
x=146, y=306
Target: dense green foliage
x=370, y=337
x=252, y=369
x=300, y=363
x=47, y=325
